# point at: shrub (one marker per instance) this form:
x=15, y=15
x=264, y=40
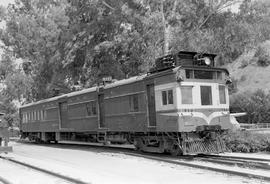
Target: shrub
x=247, y=142
x=244, y=64
x=262, y=54
x=255, y=104
x=246, y=58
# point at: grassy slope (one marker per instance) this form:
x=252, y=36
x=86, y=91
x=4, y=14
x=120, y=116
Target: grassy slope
x=248, y=74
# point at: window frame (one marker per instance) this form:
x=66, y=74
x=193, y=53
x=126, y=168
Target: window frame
x=167, y=101
x=134, y=107
x=192, y=96
x=192, y=73
x=91, y=108
x=224, y=93
x=45, y=114
x=211, y=96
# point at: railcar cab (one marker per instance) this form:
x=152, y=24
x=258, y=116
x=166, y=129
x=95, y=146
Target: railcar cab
x=200, y=90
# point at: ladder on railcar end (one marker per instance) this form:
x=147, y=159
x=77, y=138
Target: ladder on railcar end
x=4, y=139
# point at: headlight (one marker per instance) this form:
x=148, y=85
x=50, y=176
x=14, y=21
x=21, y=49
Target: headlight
x=207, y=61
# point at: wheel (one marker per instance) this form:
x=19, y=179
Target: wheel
x=138, y=143
x=175, y=150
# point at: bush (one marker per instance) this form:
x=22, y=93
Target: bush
x=247, y=58
x=247, y=142
x=263, y=54
x=255, y=104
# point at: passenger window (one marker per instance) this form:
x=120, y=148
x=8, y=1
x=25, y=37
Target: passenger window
x=134, y=103
x=38, y=115
x=23, y=118
x=170, y=97
x=186, y=92
x=206, y=95
x=94, y=108
x=164, y=97
x=45, y=114
x=41, y=115
x=91, y=108
x=222, y=94
x=167, y=97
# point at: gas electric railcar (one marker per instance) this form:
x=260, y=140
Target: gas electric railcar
x=180, y=106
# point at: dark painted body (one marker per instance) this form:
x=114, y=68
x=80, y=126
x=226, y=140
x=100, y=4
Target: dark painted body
x=129, y=109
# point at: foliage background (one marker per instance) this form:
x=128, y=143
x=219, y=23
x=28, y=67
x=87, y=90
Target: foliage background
x=51, y=47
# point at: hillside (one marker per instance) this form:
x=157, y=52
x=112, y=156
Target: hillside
x=252, y=69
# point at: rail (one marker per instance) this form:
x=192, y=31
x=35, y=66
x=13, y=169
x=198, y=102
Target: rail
x=253, y=163
x=256, y=126
x=46, y=171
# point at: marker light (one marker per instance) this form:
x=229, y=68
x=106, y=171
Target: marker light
x=207, y=61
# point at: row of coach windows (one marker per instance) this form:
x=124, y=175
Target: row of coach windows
x=38, y=115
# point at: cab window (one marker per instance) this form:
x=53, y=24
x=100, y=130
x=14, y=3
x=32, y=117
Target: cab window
x=206, y=95
x=222, y=94
x=186, y=92
x=167, y=97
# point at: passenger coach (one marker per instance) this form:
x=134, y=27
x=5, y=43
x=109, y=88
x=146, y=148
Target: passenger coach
x=180, y=106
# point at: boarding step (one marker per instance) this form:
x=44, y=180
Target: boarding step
x=102, y=137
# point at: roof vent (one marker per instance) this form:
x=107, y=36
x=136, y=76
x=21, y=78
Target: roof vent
x=164, y=63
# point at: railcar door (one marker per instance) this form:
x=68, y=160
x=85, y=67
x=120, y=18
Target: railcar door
x=150, y=88
x=101, y=114
x=63, y=111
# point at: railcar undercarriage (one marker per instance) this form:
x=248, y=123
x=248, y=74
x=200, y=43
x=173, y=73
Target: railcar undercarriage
x=176, y=143
x=179, y=143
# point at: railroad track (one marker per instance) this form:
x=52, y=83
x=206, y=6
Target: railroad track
x=255, y=163
x=240, y=158
x=4, y=181
x=189, y=161
x=192, y=161
x=42, y=170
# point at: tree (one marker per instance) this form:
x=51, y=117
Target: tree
x=66, y=43
x=32, y=34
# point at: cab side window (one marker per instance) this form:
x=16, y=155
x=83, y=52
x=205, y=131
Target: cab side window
x=186, y=92
x=222, y=94
x=206, y=95
x=167, y=97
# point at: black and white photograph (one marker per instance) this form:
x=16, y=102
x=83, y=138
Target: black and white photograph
x=134, y=91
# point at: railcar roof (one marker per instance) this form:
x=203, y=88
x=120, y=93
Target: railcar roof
x=107, y=86
x=88, y=90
